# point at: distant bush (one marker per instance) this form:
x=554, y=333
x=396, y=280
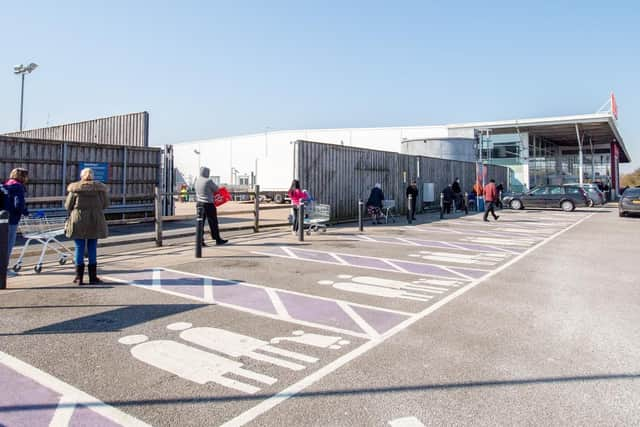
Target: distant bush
x=631, y=179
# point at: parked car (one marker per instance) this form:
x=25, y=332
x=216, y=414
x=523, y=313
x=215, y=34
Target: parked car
x=566, y=197
x=596, y=196
x=629, y=201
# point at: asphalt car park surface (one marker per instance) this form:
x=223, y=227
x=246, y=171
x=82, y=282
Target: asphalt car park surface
x=527, y=320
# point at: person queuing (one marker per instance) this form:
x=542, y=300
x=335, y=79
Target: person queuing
x=412, y=190
x=499, y=189
x=447, y=199
x=296, y=195
x=457, y=193
x=15, y=204
x=375, y=203
x=490, y=197
x=205, y=187
x=86, y=201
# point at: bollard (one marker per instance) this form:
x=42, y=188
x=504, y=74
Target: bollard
x=301, y=221
x=199, y=231
x=4, y=248
x=256, y=210
x=158, y=208
x=466, y=203
x=360, y=215
x=410, y=210
x=441, y=205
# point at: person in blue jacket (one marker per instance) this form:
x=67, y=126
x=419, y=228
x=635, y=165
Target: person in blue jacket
x=15, y=204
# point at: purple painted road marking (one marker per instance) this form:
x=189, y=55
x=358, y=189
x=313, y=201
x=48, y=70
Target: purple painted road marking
x=85, y=417
x=320, y=312
x=34, y=404
x=380, y=323
x=313, y=255
x=426, y=269
x=476, y=274
x=368, y=262
x=244, y=296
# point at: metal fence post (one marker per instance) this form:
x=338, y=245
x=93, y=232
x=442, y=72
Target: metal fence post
x=301, y=221
x=199, y=231
x=441, y=205
x=4, y=248
x=466, y=203
x=410, y=209
x=360, y=215
x=158, y=209
x=256, y=210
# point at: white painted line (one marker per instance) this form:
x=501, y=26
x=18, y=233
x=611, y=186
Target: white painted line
x=70, y=392
x=337, y=258
x=64, y=412
x=294, y=389
x=155, y=278
x=277, y=303
x=208, y=290
x=406, y=422
x=289, y=252
x=367, y=328
x=391, y=264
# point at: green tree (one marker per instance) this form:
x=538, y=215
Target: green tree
x=631, y=179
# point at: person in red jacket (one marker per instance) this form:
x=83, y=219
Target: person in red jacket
x=490, y=199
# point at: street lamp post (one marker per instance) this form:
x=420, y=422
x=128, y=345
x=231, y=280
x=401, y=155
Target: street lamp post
x=22, y=70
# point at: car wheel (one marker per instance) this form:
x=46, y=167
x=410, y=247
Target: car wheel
x=622, y=213
x=567, y=206
x=590, y=203
x=515, y=205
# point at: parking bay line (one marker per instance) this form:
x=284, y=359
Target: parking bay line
x=439, y=244
x=296, y=388
x=377, y=263
x=290, y=306
x=65, y=401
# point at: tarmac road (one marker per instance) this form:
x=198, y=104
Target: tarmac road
x=529, y=320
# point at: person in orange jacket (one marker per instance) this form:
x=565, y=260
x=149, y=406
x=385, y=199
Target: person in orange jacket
x=490, y=199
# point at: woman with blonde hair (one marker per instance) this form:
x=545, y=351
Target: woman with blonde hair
x=16, y=205
x=86, y=202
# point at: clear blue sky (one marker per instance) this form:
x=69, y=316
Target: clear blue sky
x=206, y=69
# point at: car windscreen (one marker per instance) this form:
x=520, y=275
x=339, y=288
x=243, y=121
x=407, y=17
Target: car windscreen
x=632, y=192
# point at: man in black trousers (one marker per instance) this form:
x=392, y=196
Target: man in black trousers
x=412, y=190
x=205, y=187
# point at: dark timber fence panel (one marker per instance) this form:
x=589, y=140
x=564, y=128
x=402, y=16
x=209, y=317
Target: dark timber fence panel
x=340, y=176
x=129, y=129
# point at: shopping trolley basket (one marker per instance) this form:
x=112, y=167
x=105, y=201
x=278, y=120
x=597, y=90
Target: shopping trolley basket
x=316, y=217
x=43, y=230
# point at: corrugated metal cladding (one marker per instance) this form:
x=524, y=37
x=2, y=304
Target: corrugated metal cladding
x=340, y=176
x=131, y=130
x=45, y=161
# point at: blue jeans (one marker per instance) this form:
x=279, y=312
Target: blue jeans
x=13, y=232
x=92, y=248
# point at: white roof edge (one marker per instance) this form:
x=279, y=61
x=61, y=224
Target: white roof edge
x=601, y=117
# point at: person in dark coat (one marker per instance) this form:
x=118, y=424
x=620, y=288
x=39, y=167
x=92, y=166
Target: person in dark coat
x=412, y=190
x=447, y=199
x=15, y=204
x=374, y=203
x=86, y=202
x=499, y=189
x=457, y=192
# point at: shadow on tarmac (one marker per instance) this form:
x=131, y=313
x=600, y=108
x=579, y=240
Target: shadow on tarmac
x=346, y=392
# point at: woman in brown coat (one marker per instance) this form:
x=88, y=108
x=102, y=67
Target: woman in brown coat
x=86, y=202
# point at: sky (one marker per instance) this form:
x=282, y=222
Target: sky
x=206, y=69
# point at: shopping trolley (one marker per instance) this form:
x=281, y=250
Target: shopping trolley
x=316, y=217
x=43, y=230
x=389, y=210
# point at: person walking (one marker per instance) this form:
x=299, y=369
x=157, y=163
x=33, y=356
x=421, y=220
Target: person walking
x=375, y=203
x=296, y=195
x=15, y=204
x=499, y=190
x=86, y=201
x=205, y=187
x=457, y=193
x=412, y=190
x=490, y=197
x=447, y=199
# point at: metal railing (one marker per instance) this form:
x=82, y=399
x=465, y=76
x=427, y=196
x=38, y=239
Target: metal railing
x=255, y=205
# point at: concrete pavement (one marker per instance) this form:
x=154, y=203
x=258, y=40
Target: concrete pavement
x=523, y=321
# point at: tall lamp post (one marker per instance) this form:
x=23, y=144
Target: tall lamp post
x=22, y=70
